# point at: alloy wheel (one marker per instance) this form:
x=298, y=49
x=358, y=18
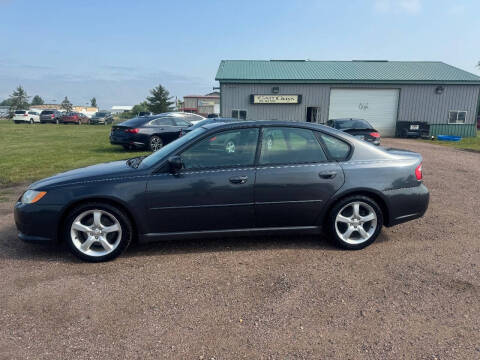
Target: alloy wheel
x=356, y=222
x=96, y=232
x=155, y=143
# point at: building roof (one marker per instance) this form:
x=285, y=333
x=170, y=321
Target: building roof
x=361, y=71
x=202, y=96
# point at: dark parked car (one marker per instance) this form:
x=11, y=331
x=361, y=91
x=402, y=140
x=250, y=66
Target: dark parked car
x=357, y=127
x=313, y=177
x=50, y=116
x=74, y=118
x=207, y=121
x=151, y=132
x=101, y=117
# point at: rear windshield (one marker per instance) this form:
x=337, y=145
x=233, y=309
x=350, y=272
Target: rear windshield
x=47, y=112
x=352, y=124
x=134, y=122
x=20, y=112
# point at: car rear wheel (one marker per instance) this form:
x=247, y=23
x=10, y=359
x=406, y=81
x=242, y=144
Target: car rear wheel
x=156, y=143
x=355, y=222
x=31, y=121
x=97, y=232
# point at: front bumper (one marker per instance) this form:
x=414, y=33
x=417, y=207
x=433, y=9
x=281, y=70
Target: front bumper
x=37, y=223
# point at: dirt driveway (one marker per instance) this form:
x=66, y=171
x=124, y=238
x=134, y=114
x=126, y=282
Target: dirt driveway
x=414, y=294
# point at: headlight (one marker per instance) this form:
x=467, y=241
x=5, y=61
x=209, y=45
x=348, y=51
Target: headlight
x=32, y=196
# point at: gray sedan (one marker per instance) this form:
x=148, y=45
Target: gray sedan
x=278, y=177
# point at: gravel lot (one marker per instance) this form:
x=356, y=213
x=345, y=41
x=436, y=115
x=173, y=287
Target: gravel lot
x=414, y=294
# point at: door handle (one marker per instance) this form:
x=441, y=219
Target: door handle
x=238, y=179
x=327, y=174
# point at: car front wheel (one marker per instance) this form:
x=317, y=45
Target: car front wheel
x=155, y=143
x=355, y=222
x=97, y=232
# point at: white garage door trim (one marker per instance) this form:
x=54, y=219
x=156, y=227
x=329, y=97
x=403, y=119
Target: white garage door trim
x=378, y=106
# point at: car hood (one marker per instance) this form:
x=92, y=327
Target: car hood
x=93, y=172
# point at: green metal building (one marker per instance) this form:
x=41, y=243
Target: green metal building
x=382, y=92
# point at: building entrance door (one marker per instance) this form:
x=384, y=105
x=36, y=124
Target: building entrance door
x=313, y=114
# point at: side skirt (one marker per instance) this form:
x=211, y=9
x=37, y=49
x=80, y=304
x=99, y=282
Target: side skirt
x=151, y=237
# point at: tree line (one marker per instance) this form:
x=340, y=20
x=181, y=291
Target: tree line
x=19, y=100
x=159, y=101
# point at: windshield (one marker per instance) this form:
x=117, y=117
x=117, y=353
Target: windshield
x=100, y=114
x=168, y=149
x=352, y=124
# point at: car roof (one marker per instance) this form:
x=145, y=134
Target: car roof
x=252, y=123
x=347, y=119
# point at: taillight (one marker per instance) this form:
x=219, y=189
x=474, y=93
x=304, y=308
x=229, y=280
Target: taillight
x=132, y=131
x=53, y=116
x=75, y=117
x=418, y=172
x=25, y=114
x=375, y=134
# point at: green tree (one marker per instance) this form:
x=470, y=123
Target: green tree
x=66, y=105
x=18, y=100
x=160, y=101
x=93, y=102
x=6, y=102
x=37, y=100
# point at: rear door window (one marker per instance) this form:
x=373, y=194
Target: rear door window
x=162, y=122
x=181, y=122
x=285, y=145
x=337, y=149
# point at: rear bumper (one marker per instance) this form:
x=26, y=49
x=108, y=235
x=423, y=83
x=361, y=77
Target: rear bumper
x=127, y=141
x=407, y=204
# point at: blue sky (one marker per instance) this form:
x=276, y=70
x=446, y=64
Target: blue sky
x=118, y=50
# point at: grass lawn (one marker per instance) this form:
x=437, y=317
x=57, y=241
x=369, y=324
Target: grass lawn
x=31, y=152
x=472, y=143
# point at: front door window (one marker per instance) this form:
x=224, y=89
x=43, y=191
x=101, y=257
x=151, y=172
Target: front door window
x=225, y=149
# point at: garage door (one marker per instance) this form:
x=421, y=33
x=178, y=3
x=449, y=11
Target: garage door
x=377, y=106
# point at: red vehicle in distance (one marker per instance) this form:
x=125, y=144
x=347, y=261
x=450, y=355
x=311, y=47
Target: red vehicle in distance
x=74, y=118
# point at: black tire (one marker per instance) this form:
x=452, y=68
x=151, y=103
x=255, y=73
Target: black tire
x=155, y=143
x=57, y=122
x=342, y=204
x=125, y=224
x=127, y=147
x=31, y=121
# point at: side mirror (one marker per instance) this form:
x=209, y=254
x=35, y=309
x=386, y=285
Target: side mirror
x=175, y=163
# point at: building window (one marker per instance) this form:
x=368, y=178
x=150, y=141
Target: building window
x=239, y=114
x=457, y=117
